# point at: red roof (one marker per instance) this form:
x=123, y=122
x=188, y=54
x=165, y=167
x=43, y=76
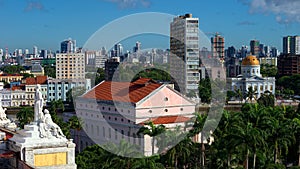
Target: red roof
x=123, y=91
x=167, y=120
x=36, y=80
x=20, y=87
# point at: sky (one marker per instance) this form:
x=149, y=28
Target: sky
x=44, y=23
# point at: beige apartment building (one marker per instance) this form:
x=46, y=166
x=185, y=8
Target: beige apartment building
x=70, y=66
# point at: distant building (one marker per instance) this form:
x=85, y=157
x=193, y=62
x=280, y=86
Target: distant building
x=218, y=46
x=111, y=69
x=70, y=66
x=251, y=77
x=254, y=47
x=30, y=87
x=184, y=52
x=272, y=61
x=291, y=45
x=57, y=89
x=10, y=77
x=68, y=46
x=288, y=64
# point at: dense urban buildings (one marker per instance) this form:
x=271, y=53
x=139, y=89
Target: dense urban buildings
x=184, y=52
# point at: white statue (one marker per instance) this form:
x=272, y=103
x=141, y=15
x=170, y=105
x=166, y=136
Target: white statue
x=48, y=127
x=38, y=105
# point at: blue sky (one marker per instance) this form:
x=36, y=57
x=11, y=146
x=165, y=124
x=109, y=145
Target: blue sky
x=45, y=23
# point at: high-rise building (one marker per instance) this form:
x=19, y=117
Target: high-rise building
x=70, y=66
x=68, y=46
x=291, y=45
x=217, y=46
x=137, y=47
x=184, y=53
x=111, y=69
x=118, y=50
x=254, y=47
x=35, y=51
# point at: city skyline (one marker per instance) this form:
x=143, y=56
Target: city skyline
x=47, y=23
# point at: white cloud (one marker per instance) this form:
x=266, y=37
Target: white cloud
x=34, y=5
x=286, y=11
x=131, y=3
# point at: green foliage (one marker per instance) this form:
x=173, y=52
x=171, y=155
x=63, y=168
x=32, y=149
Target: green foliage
x=26, y=75
x=97, y=157
x=290, y=82
x=100, y=76
x=73, y=93
x=266, y=99
x=260, y=136
x=268, y=70
x=50, y=71
x=25, y=116
x=12, y=69
x=205, y=90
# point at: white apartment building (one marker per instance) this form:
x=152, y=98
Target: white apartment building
x=57, y=89
x=184, y=55
x=70, y=66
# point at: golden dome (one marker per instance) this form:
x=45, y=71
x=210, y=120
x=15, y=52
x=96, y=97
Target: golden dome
x=250, y=61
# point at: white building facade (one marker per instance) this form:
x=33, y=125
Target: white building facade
x=251, y=77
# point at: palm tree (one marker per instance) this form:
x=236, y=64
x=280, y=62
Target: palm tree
x=239, y=94
x=25, y=116
x=251, y=93
x=152, y=131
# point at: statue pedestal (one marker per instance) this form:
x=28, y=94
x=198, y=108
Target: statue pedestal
x=51, y=152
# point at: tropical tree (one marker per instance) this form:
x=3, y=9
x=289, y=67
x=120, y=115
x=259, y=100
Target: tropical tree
x=76, y=123
x=25, y=116
x=251, y=93
x=205, y=90
x=267, y=99
x=239, y=94
x=152, y=130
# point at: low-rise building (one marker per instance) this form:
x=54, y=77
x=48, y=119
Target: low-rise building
x=114, y=111
x=30, y=87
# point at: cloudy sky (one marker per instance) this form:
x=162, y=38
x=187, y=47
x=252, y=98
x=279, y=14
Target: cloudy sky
x=46, y=23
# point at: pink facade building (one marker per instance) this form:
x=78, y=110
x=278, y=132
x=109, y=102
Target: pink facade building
x=113, y=111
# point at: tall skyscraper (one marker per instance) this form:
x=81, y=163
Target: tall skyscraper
x=218, y=46
x=68, y=46
x=118, y=50
x=184, y=52
x=35, y=51
x=254, y=47
x=291, y=45
x=137, y=47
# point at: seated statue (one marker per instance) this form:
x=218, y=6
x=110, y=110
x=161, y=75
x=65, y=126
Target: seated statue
x=47, y=126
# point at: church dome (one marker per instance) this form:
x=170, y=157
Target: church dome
x=250, y=61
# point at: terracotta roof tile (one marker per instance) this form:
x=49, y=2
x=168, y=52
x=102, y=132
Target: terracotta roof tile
x=122, y=91
x=167, y=120
x=36, y=80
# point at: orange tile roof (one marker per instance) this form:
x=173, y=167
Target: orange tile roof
x=36, y=80
x=167, y=120
x=123, y=91
x=20, y=87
